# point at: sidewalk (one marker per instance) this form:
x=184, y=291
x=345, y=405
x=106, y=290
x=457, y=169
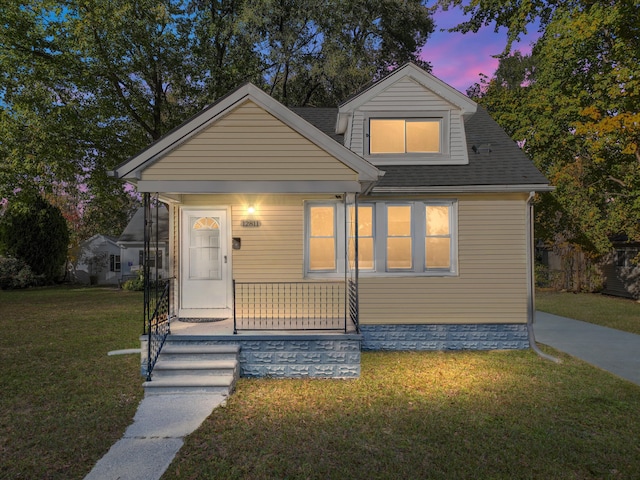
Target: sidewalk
x=612, y=350
x=152, y=441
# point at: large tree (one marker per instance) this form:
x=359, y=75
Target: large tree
x=575, y=106
x=84, y=84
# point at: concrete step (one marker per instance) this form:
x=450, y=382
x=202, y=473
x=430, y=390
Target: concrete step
x=218, y=384
x=190, y=367
x=176, y=367
x=181, y=351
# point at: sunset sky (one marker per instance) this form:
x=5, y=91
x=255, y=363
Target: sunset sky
x=458, y=59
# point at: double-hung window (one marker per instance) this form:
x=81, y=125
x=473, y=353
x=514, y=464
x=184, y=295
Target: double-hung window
x=394, y=238
x=114, y=263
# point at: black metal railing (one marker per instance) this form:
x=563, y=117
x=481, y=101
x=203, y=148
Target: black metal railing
x=158, y=326
x=354, y=309
x=291, y=305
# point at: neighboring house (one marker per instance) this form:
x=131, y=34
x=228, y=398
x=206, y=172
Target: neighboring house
x=266, y=203
x=622, y=270
x=98, y=261
x=131, y=243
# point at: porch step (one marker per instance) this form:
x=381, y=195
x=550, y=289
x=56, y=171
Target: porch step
x=171, y=368
x=191, y=367
x=194, y=351
x=218, y=384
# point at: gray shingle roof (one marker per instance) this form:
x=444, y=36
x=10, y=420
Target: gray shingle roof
x=503, y=163
x=134, y=231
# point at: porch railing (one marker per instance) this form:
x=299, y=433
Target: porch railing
x=158, y=324
x=354, y=309
x=293, y=306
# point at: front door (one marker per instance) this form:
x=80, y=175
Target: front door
x=204, y=270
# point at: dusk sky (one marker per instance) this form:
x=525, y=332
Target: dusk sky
x=458, y=59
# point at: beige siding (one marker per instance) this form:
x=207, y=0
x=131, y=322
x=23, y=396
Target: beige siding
x=248, y=144
x=272, y=252
x=491, y=286
x=406, y=96
x=492, y=283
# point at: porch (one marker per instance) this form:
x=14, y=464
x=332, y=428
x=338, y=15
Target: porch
x=286, y=329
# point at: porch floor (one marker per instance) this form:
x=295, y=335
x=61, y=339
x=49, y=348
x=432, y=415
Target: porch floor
x=225, y=327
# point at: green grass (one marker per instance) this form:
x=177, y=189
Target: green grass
x=463, y=415
x=613, y=312
x=63, y=401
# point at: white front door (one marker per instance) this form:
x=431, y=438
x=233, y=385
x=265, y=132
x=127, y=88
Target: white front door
x=204, y=272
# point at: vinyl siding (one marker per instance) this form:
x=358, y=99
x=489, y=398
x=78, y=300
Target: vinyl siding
x=490, y=288
x=406, y=96
x=248, y=144
x=272, y=252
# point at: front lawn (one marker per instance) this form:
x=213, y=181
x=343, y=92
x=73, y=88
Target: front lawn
x=462, y=415
x=612, y=312
x=63, y=401
x=430, y=415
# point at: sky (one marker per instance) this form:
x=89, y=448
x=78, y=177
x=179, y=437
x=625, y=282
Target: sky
x=458, y=59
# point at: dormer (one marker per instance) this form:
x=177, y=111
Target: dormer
x=408, y=118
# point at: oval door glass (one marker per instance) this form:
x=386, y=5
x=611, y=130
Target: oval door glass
x=204, y=248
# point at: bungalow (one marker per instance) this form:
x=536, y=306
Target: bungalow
x=98, y=261
x=132, y=245
x=399, y=220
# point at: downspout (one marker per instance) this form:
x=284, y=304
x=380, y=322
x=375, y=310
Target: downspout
x=531, y=310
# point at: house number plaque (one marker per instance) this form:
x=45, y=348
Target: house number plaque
x=251, y=223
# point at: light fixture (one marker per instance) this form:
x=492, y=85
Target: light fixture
x=251, y=209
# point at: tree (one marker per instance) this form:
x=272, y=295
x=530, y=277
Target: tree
x=319, y=53
x=35, y=231
x=85, y=84
x=574, y=105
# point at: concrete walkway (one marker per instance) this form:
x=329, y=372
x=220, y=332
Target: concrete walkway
x=612, y=350
x=152, y=441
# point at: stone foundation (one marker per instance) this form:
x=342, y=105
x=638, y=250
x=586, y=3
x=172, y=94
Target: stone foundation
x=445, y=337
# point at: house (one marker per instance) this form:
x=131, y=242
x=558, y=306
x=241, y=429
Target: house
x=98, y=261
x=621, y=269
x=131, y=243
x=400, y=220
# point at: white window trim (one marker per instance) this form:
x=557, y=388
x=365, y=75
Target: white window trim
x=421, y=158
x=418, y=236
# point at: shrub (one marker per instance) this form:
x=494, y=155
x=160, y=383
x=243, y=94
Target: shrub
x=136, y=284
x=35, y=231
x=15, y=273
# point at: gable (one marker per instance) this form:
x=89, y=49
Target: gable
x=406, y=98
x=248, y=143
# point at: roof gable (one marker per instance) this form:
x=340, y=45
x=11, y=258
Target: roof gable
x=133, y=168
x=408, y=71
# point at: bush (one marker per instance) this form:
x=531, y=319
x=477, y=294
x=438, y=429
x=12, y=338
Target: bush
x=136, y=284
x=15, y=273
x=35, y=231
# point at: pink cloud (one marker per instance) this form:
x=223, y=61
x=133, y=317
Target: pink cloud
x=459, y=59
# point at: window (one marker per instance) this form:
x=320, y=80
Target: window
x=114, y=263
x=437, y=237
x=153, y=255
x=322, y=238
x=399, y=238
x=366, y=258
x=402, y=136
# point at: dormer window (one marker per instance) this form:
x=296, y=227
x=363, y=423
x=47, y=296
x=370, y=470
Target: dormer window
x=393, y=138
x=402, y=136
